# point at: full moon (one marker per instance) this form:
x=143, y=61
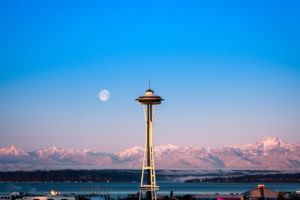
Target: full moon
x=104, y=95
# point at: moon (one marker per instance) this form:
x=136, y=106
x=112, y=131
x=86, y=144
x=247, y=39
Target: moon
x=104, y=95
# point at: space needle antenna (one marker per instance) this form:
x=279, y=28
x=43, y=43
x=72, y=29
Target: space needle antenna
x=149, y=85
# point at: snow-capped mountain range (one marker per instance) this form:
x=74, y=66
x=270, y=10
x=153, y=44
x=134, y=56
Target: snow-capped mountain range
x=268, y=153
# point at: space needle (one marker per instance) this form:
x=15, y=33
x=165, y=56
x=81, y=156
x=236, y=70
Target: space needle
x=149, y=102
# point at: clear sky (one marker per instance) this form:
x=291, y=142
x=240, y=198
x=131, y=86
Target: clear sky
x=229, y=72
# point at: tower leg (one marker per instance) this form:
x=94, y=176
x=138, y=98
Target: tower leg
x=148, y=161
x=149, y=178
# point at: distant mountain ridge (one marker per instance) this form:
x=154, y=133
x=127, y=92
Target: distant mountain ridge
x=267, y=153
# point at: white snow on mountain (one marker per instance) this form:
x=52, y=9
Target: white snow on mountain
x=12, y=151
x=164, y=149
x=133, y=153
x=56, y=153
x=267, y=153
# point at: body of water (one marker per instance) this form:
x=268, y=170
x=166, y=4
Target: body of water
x=122, y=189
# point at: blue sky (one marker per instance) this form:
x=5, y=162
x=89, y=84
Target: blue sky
x=229, y=71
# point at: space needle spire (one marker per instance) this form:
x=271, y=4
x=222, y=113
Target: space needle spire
x=149, y=102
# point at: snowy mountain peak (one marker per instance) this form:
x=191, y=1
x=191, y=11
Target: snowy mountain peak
x=13, y=151
x=267, y=153
x=56, y=152
x=166, y=147
x=131, y=154
x=85, y=151
x=135, y=149
x=131, y=151
x=269, y=143
x=51, y=150
x=54, y=149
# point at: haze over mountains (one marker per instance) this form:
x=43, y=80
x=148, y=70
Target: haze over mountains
x=268, y=153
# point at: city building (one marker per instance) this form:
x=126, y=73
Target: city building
x=261, y=192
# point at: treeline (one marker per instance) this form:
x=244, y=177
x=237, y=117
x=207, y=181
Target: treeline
x=262, y=178
x=72, y=176
x=133, y=175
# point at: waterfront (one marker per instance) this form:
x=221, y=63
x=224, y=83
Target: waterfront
x=122, y=189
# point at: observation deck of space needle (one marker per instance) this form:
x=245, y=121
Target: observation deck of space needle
x=149, y=102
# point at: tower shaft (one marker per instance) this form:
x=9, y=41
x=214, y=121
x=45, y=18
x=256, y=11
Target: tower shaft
x=148, y=124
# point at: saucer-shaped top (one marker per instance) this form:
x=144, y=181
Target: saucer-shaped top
x=149, y=98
